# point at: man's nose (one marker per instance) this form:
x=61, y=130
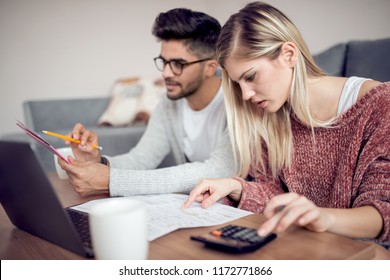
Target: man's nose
x=167, y=71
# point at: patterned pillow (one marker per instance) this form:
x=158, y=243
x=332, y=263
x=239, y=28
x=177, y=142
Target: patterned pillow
x=133, y=100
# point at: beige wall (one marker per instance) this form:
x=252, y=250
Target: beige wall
x=59, y=49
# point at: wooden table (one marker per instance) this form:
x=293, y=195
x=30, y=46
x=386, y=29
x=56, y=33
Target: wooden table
x=296, y=243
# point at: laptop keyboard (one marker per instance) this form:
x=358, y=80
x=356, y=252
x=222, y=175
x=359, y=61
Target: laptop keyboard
x=81, y=223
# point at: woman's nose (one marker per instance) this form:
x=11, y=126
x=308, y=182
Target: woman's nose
x=247, y=93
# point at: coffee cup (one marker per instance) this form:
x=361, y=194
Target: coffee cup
x=119, y=229
x=66, y=151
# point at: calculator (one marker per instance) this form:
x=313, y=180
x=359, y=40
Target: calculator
x=234, y=239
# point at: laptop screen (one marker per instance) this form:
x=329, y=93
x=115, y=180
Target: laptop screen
x=29, y=199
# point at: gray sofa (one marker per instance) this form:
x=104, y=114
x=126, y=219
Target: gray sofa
x=368, y=58
x=61, y=115
x=356, y=58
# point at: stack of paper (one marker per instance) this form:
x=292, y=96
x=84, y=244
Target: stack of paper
x=166, y=213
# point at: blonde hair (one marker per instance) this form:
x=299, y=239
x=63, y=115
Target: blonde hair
x=260, y=30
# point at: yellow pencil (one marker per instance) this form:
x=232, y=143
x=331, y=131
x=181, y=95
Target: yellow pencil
x=67, y=138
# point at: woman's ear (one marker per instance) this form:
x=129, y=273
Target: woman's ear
x=289, y=54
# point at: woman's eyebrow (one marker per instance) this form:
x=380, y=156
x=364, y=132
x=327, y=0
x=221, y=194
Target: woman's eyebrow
x=242, y=75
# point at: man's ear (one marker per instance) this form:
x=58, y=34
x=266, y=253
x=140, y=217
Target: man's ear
x=289, y=54
x=211, y=67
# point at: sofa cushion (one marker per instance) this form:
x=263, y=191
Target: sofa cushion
x=59, y=114
x=131, y=98
x=331, y=61
x=369, y=59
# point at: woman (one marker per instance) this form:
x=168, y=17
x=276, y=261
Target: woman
x=316, y=147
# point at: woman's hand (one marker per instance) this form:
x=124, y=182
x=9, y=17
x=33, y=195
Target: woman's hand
x=208, y=191
x=289, y=209
x=84, y=151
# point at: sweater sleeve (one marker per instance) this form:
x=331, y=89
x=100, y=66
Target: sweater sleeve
x=256, y=194
x=180, y=178
x=374, y=190
x=372, y=177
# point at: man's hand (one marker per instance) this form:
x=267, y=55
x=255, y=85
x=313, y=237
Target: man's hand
x=84, y=151
x=87, y=177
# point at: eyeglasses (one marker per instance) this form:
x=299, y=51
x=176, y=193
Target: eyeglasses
x=175, y=64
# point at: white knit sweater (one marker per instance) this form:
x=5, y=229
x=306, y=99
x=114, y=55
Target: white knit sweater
x=134, y=173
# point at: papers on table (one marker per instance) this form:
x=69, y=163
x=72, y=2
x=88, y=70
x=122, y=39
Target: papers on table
x=166, y=213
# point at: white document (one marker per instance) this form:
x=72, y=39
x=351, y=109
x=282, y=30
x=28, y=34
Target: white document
x=166, y=213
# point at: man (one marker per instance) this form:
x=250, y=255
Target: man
x=190, y=122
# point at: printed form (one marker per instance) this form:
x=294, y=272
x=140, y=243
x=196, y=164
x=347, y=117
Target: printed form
x=166, y=213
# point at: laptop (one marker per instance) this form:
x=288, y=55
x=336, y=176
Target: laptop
x=31, y=203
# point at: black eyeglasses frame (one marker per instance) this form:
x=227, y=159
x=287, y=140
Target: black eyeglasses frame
x=178, y=62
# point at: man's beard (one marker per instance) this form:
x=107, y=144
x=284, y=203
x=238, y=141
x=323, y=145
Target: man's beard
x=190, y=90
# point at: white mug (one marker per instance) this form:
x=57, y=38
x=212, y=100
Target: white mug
x=119, y=229
x=66, y=151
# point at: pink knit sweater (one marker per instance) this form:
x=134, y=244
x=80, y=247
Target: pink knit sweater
x=347, y=167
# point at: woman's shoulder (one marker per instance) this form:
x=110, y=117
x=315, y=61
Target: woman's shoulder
x=375, y=95
x=367, y=86
x=373, y=103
